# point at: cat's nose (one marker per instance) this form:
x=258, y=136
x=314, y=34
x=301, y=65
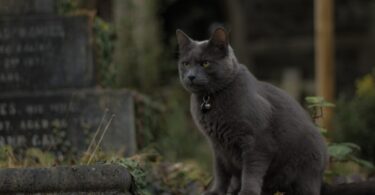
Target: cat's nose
x=191, y=77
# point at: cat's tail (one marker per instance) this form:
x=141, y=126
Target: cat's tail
x=361, y=188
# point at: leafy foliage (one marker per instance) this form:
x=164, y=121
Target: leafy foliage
x=339, y=153
x=355, y=118
x=342, y=151
x=149, y=120
x=346, y=152
x=318, y=102
x=66, y=6
x=138, y=175
x=153, y=175
x=104, y=48
x=31, y=157
x=316, y=105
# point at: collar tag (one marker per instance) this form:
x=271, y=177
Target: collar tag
x=206, y=106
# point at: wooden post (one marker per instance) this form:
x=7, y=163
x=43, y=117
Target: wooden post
x=324, y=54
x=239, y=29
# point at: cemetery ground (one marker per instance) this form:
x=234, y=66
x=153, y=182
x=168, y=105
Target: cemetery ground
x=150, y=172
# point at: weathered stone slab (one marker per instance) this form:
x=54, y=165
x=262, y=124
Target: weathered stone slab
x=27, y=6
x=65, y=121
x=40, y=52
x=97, y=178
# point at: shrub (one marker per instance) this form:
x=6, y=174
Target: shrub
x=355, y=119
x=343, y=160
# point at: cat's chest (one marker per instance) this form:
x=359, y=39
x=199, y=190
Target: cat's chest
x=213, y=124
x=216, y=125
x=221, y=127
x=209, y=120
x=223, y=135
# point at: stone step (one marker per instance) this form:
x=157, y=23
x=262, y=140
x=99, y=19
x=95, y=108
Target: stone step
x=96, y=179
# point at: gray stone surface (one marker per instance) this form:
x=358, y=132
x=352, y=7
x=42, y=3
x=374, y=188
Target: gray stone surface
x=65, y=121
x=27, y=6
x=39, y=52
x=113, y=179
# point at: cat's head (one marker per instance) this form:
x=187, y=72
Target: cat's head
x=206, y=66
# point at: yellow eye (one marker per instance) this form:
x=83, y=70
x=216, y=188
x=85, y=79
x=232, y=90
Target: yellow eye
x=205, y=64
x=185, y=64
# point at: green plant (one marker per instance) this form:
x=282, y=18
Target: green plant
x=138, y=175
x=340, y=154
x=347, y=152
x=66, y=6
x=316, y=105
x=355, y=117
x=104, y=48
x=31, y=157
x=153, y=175
x=150, y=120
x=103, y=39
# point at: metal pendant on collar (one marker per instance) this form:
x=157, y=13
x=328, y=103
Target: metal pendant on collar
x=206, y=105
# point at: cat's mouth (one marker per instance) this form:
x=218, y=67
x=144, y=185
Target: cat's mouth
x=196, y=87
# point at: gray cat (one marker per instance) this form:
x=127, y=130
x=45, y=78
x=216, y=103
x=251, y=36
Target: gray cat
x=263, y=141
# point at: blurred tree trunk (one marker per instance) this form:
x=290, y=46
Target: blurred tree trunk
x=238, y=30
x=324, y=54
x=138, y=47
x=372, y=24
x=368, y=49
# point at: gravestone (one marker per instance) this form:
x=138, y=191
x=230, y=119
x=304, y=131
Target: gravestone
x=44, y=52
x=47, y=94
x=65, y=121
x=27, y=7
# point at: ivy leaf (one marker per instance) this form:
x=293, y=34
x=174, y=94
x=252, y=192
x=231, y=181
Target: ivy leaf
x=363, y=163
x=322, y=130
x=317, y=101
x=340, y=151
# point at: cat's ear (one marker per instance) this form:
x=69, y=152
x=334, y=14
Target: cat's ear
x=219, y=38
x=182, y=39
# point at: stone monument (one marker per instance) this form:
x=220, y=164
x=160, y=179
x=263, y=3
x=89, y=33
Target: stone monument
x=48, y=98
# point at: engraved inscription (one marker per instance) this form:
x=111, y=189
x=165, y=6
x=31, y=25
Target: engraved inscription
x=32, y=32
x=27, y=46
x=39, y=52
x=65, y=120
x=34, y=124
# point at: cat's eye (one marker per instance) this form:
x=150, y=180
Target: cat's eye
x=205, y=64
x=185, y=64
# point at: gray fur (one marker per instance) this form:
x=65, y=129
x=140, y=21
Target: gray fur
x=263, y=141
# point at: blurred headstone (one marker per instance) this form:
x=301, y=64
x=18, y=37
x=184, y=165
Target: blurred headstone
x=47, y=95
x=66, y=121
x=27, y=6
x=39, y=52
x=292, y=82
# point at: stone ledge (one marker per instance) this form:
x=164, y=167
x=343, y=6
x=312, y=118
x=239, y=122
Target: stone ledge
x=97, y=178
